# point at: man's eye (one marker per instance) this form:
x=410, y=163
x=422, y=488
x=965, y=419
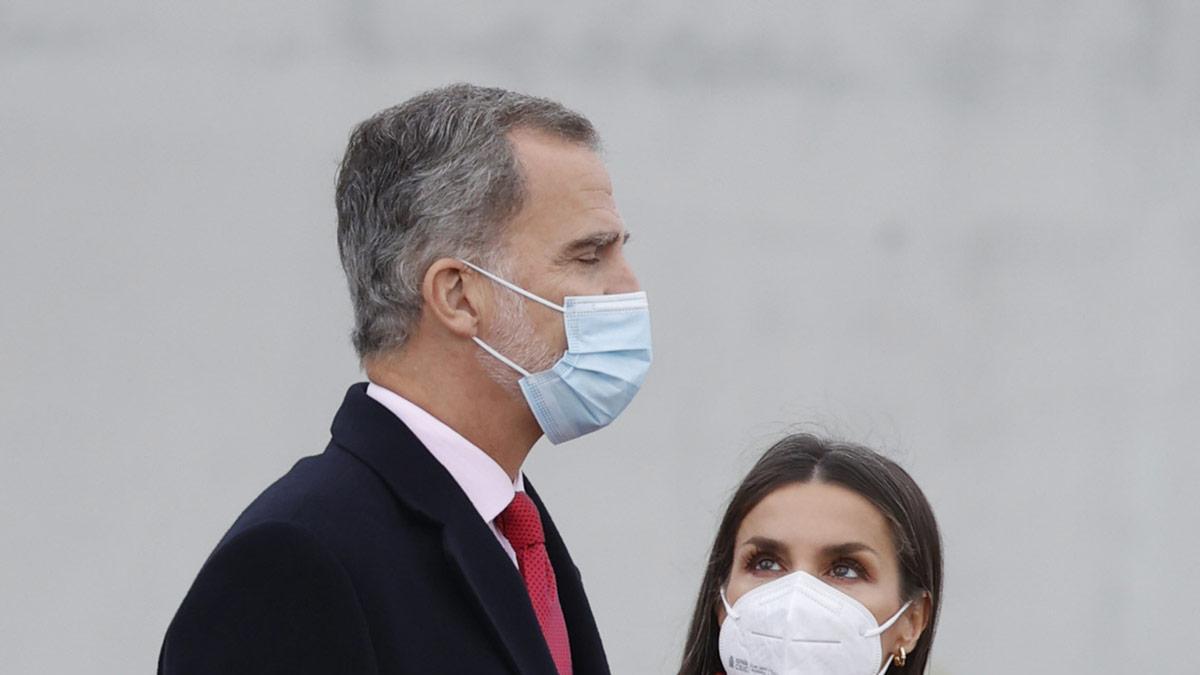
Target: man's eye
x=589, y=260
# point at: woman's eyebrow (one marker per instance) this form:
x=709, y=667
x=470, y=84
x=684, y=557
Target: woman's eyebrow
x=849, y=548
x=765, y=544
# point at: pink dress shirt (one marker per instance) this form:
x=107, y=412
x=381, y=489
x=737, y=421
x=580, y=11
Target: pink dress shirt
x=479, y=476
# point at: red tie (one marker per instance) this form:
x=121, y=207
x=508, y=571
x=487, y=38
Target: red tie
x=521, y=525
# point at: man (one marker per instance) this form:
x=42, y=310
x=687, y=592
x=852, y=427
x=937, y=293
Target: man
x=493, y=303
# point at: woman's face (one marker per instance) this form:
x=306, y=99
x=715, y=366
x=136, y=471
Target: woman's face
x=835, y=535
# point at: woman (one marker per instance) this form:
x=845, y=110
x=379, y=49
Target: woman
x=828, y=561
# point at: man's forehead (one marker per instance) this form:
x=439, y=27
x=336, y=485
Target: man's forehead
x=546, y=158
x=569, y=201
x=597, y=193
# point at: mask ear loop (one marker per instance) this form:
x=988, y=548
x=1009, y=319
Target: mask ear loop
x=728, y=609
x=514, y=288
x=886, y=625
x=500, y=357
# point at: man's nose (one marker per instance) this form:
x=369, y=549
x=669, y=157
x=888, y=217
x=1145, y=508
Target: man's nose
x=623, y=280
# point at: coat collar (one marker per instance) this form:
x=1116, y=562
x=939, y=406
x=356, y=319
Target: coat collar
x=369, y=431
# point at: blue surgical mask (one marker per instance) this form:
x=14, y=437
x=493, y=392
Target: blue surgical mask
x=608, y=355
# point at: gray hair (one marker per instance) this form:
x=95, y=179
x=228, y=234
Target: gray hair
x=431, y=178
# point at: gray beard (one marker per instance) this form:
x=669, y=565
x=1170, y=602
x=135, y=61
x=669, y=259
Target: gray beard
x=514, y=337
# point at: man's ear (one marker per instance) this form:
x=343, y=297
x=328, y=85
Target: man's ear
x=453, y=296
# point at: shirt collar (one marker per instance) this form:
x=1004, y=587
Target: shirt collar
x=486, y=484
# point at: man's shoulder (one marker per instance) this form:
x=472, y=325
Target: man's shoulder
x=332, y=497
x=278, y=593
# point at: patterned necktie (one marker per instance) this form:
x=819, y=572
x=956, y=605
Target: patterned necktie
x=521, y=525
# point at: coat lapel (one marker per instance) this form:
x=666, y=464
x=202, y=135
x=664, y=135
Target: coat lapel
x=587, y=650
x=498, y=586
x=372, y=433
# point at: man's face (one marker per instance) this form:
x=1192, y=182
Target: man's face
x=568, y=239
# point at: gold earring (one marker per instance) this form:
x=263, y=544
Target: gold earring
x=900, y=658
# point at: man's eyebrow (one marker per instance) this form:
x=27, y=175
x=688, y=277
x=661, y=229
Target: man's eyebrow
x=597, y=240
x=849, y=548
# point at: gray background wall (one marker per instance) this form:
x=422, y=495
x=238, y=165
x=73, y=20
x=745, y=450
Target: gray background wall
x=966, y=232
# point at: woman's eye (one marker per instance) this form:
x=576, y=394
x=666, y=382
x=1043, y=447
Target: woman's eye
x=767, y=565
x=846, y=570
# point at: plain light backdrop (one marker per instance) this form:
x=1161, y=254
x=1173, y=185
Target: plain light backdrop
x=966, y=232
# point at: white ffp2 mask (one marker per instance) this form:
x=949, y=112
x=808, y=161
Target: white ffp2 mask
x=799, y=625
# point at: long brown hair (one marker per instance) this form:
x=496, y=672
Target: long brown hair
x=801, y=458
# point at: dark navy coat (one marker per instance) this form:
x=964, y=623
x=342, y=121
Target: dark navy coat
x=369, y=558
